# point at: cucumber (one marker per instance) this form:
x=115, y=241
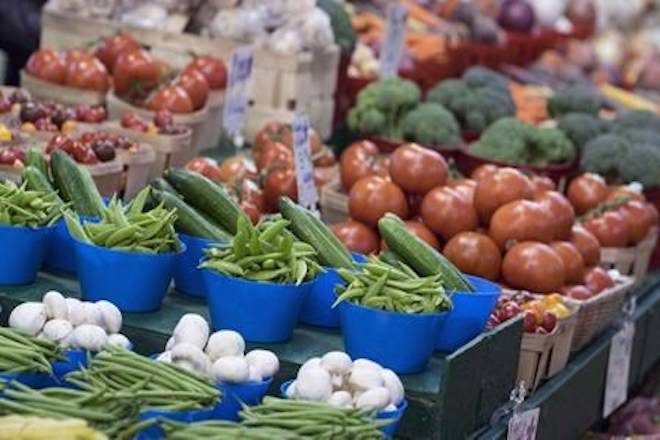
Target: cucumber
x=36, y=158
x=419, y=255
x=161, y=184
x=76, y=185
x=188, y=220
x=308, y=228
x=36, y=180
x=206, y=197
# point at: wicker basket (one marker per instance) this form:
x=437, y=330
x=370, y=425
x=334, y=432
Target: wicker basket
x=598, y=312
x=632, y=261
x=334, y=202
x=56, y=92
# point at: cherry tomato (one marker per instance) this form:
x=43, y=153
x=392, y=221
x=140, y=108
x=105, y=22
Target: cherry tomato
x=446, y=212
x=578, y=292
x=46, y=65
x=521, y=220
x=494, y=190
x=474, y=253
x=483, y=170
x=357, y=236
x=561, y=211
x=573, y=261
x=112, y=47
x=417, y=169
x=206, y=167
x=213, y=69
x=356, y=162
x=135, y=73
x=542, y=184
x=611, y=229
x=279, y=182
x=420, y=230
x=172, y=98
x=195, y=86
x=88, y=74
x=597, y=279
x=587, y=244
x=639, y=219
x=587, y=191
x=372, y=197
x=535, y=267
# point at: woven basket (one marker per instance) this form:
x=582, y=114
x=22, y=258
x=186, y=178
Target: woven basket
x=631, y=261
x=334, y=202
x=41, y=89
x=137, y=169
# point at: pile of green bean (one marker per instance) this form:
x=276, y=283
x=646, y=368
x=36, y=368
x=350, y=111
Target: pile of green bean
x=22, y=207
x=117, y=418
x=268, y=252
x=313, y=420
x=394, y=287
x=156, y=385
x=223, y=430
x=22, y=353
x=129, y=228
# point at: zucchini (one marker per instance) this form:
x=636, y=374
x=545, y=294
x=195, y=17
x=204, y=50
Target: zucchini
x=419, y=255
x=188, y=220
x=36, y=158
x=36, y=180
x=308, y=228
x=205, y=196
x=76, y=185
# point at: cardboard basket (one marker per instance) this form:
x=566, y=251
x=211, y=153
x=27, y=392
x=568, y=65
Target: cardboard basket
x=632, y=261
x=334, y=202
x=137, y=168
x=41, y=89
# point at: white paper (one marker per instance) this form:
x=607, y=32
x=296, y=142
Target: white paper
x=523, y=425
x=618, y=368
x=307, y=195
x=393, y=43
x=238, y=90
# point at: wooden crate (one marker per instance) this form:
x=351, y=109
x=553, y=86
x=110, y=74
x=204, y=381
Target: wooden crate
x=632, y=261
x=334, y=202
x=58, y=93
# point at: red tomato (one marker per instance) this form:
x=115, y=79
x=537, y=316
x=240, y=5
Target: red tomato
x=206, y=167
x=112, y=47
x=417, y=169
x=274, y=154
x=88, y=74
x=611, y=229
x=587, y=244
x=521, y=220
x=483, y=170
x=172, y=98
x=250, y=192
x=560, y=210
x=135, y=73
x=372, y=197
x=46, y=65
x=653, y=211
x=587, y=191
x=236, y=168
x=597, y=279
x=421, y=231
x=356, y=162
x=271, y=132
x=279, y=182
x=573, y=261
x=446, y=212
x=535, y=267
x=195, y=86
x=213, y=69
x=474, y=253
x=542, y=184
x=72, y=55
x=357, y=236
x=503, y=186
x=640, y=219
x=251, y=211
x=623, y=191
x=578, y=292
x=464, y=186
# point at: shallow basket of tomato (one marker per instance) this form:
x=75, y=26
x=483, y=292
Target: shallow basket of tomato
x=334, y=202
x=49, y=91
x=633, y=261
x=137, y=168
x=388, y=145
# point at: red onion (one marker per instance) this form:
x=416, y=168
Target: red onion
x=516, y=16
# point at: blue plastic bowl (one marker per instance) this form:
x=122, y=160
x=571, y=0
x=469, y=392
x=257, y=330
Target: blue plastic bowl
x=469, y=315
x=33, y=380
x=317, y=307
x=395, y=416
x=23, y=252
x=260, y=311
x=61, y=255
x=76, y=359
x=399, y=341
x=187, y=278
x=134, y=282
x=155, y=431
x=233, y=394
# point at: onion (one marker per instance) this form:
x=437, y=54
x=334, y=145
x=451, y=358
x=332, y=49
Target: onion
x=516, y=15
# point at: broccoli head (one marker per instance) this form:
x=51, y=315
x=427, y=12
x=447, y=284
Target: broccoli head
x=641, y=163
x=643, y=136
x=478, y=77
x=485, y=106
x=574, y=99
x=549, y=145
x=637, y=120
x=580, y=128
x=451, y=94
x=505, y=140
x=603, y=154
x=430, y=124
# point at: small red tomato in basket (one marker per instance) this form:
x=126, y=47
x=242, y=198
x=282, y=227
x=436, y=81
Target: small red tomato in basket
x=530, y=324
x=549, y=321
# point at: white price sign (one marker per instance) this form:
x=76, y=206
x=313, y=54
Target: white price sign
x=523, y=425
x=618, y=368
x=307, y=195
x=393, y=43
x=238, y=90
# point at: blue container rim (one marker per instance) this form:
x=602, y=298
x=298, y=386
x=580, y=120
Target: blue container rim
x=388, y=313
x=141, y=254
x=355, y=256
x=199, y=239
x=248, y=384
x=260, y=283
x=29, y=228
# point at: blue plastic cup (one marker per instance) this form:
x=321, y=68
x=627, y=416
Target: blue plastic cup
x=187, y=277
x=469, y=315
x=389, y=430
x=155, y=431
x=317, y=307
x=260, y=311
x=133, y=281
x=250, y=393
x=23, y=252
x=402, y=342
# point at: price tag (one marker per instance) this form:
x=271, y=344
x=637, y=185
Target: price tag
x=238, y=89
x=523, y=425
x=307, y=195
x=393, y=43
x=618, y=368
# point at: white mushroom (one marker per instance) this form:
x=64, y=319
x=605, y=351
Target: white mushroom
x=374, y=399
x=193, y=329
x=336, y=363
x=111, y=319
x=290, y=391
x=341, y=399
x=231, y=369
x=165, y=356
x=393, y=385
x=57, y=329
x=313, y=383
x=192, y=357
x=310, y=363
x=92, y=313
x=29, y=317
x=254, y=374
x=363, y=379
x=264, y=361
x=55, y=303
x=225, y=343
x=76, y=312
x=366, y=363
x=89, y=337
x=170, y=343
x=119, y=340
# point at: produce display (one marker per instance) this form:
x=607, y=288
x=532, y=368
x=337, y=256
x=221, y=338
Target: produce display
x=163, y=123
x=79, y=69
x=22, y=352
x=20, y=206
x=92, y=147
x=540, y=315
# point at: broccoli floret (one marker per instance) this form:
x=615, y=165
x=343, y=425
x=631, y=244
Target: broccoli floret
x=641, y=137
x=478, y=76
x=603, y=154
x=549, y=145
x=637, y=120
x=581, y=127
x=451, y=94
x=574, y=99
x=381, y=105
x=486, y=106
x=506, y=140
x=641, y=163
x=340, y=22
x=430, y=124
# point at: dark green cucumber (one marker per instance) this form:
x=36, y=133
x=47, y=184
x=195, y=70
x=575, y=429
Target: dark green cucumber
x=188, y=220
x=419, y=255
x=308, y=228
x=76, y=185
x=36, y=180
x=161, y=184
x=205, y=196
x=36, y=158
